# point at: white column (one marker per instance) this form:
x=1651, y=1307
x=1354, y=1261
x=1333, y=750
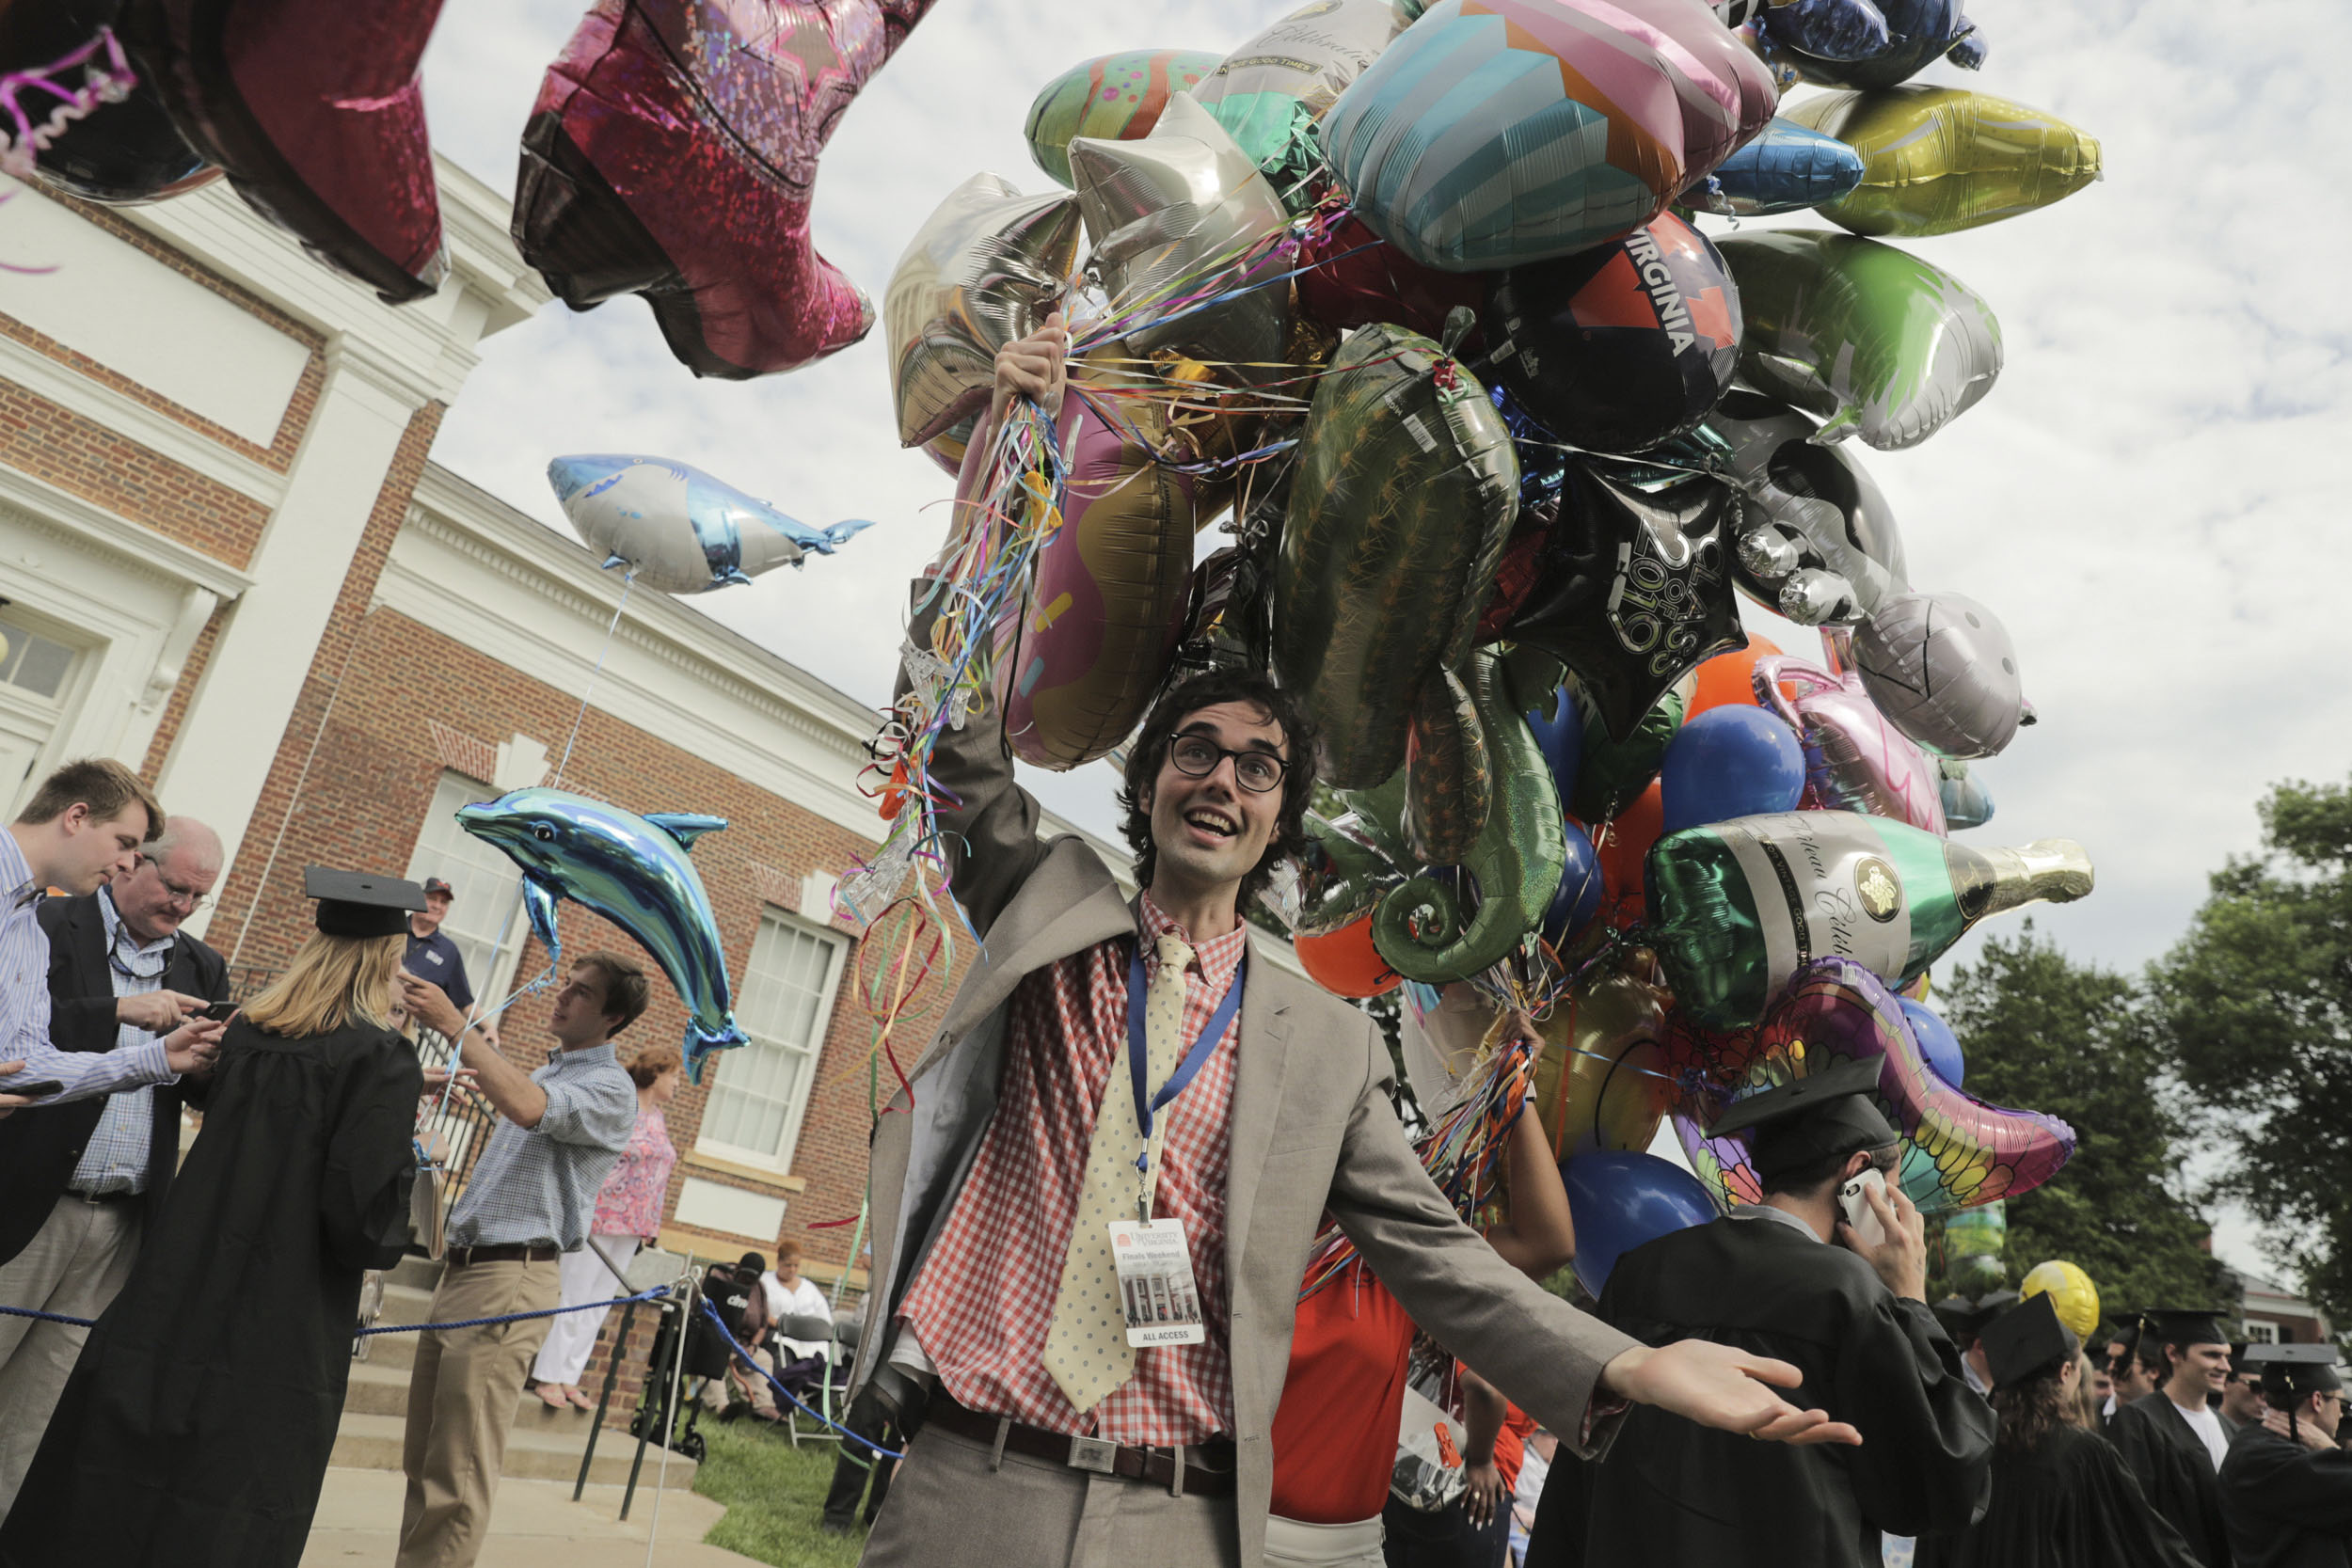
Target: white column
x=230, y=739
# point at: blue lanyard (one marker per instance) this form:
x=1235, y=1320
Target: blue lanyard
x=1137, y=1053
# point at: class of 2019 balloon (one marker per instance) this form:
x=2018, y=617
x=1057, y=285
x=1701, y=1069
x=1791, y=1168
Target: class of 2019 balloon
x=673, y=154
x=1186, y=203
x=986, y=269
x=676, y=528
x=1404, y=491
x=1496, y=133
x=317, y=114
x=1958, y=1152
x=1854, y=758
x=1110, y=98
x=1942, y=667
x=1788, y=168
x=1270, y=92
x=1079, y=656
x=1877, y=343
x=1620, y=347
x=1935, y=160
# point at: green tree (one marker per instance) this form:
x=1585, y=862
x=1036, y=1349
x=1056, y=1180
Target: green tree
x=2255, y=1006
x=2043, y=1032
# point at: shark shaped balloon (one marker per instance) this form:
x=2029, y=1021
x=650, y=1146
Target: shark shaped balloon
x=679, y=529
x=633, y=871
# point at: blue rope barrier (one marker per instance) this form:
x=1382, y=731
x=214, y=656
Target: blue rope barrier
x=390, y=1328
x=859, y=1439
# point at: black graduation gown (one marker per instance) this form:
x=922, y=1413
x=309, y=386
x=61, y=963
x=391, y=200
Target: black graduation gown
x=2068, y=1503
x=2175, y=1470
x=2285, y=1506
x=196, y=1428
x=1673, y=1494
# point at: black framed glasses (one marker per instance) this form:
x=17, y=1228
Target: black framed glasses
x=187, y=895
x=1197, y=756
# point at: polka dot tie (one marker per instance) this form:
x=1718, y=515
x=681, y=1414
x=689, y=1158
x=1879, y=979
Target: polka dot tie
x=1087, y=1349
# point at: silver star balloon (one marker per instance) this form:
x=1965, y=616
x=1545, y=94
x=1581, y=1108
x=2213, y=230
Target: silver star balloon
x=1175, y=217
x=985, y=269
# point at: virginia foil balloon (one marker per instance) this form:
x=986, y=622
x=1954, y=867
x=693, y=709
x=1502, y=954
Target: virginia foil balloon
x=983, y=271
x=632, y=870
x=676, y=528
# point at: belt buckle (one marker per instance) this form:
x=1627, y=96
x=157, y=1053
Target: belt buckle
x=1098, y=1454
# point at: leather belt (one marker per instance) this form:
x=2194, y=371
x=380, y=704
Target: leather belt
x=1208, y=1468
x=465, y=1257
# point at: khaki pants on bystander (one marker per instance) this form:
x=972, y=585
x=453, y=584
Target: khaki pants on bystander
x=75, y=1266
x=462, y=1397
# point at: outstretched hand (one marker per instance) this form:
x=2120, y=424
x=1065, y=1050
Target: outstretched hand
x=1722, y=1386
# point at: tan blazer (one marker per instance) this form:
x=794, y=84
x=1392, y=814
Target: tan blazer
x=1313, y=1128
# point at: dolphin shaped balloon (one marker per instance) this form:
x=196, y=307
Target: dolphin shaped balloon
x=679, y=529
x=633, y=871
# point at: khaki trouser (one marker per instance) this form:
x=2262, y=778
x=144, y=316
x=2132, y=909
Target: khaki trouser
x=951, y=1506
x=462, y=1397
x=75, y=1264
x=1294, y=1544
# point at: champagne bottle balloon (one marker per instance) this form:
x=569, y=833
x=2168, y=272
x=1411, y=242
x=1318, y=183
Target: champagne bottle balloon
x=1737, y=908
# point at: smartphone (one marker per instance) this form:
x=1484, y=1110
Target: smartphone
x=1857, y=1209
x=30, y=1091
x=219, y=1012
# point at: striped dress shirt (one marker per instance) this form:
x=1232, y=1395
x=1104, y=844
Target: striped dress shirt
x=115, y=1160
x=24, y=1004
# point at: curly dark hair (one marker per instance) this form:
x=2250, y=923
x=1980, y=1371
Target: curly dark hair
x=2033, y=1408
x=1149, y=751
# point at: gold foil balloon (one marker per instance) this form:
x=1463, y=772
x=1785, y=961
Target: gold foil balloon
x=1175, y=215
x=2071, y=1292
x=1939, y=159
x=983, y=270
x=1601, y=1082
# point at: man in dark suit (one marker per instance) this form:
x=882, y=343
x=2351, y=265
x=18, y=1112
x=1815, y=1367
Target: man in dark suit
x=86, y=1180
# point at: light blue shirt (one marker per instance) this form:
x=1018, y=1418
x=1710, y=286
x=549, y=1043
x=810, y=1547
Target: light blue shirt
x=115, y=1160
x=24, y=1004
x=537, y=1187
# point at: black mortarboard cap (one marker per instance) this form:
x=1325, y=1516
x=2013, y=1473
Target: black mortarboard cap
x=2026, y=1341
x=360, y=903
x=2183, y=1325
x=1812, y=1117
x=2295, y=1370
x=1964, y=1317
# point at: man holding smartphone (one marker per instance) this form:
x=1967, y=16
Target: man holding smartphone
x=1829, y=1271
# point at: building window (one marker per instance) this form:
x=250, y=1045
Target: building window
x=31, y=662
x=36, y=681
x=2260, y=1331
x=485, y=918
x=761, y=1089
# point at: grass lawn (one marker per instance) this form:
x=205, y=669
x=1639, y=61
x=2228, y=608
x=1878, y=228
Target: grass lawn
x=775, y=1494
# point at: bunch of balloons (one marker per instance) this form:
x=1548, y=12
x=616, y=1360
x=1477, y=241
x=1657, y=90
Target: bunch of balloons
x=1420, y=294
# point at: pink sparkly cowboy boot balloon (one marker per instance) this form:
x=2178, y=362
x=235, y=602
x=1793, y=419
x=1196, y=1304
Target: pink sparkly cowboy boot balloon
x=673, y=154
x=316, y=112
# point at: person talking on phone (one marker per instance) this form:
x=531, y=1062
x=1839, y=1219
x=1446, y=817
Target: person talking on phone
x=87, y=1180
x=1829, y=1273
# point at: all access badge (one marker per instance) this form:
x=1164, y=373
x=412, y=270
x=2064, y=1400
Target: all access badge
x=1155, y=1285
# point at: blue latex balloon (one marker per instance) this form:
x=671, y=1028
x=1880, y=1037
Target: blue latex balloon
x=633, y=871
x=1622, y=1199
x=1938, y=1046
x=1578, y=898
x=1786, y=169
x=1730, y=761
x=1560, y=736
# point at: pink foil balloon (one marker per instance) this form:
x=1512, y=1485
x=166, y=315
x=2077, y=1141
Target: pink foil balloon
x=673, y=154
x=1855, y=759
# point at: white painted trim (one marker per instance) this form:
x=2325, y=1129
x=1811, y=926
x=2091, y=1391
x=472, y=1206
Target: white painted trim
x=729, y=1211
x=137, y=548
x=161, y=434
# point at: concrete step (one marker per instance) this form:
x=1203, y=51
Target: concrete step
x=373, y=1442
x=419, y=1272
x=377, y=1390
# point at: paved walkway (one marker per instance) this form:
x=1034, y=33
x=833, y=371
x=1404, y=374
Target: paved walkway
x=535, y=1523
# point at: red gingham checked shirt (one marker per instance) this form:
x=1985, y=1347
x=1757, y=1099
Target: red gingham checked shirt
x=984, y=1301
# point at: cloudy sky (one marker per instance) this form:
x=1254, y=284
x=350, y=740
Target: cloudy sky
x=2151, y=498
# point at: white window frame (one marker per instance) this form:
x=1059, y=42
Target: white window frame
x=812, y=1052
x=482, y=872
x=2260, y=1331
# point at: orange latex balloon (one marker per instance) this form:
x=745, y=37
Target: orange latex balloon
x=1345, y=963
x=1597, y=1084
x=1626, y=847
x=1729, y=678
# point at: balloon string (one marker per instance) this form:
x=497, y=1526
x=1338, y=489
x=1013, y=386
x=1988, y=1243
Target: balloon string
x=627, y=583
